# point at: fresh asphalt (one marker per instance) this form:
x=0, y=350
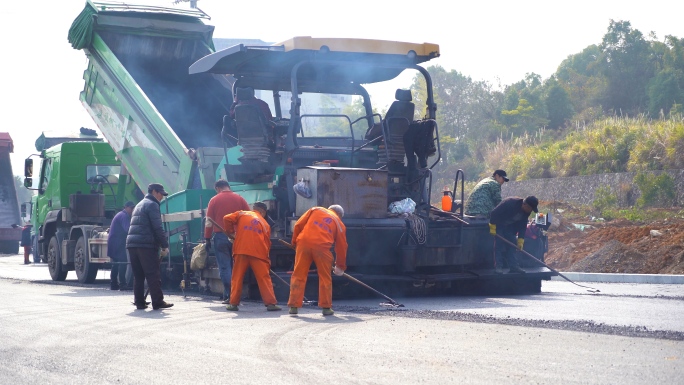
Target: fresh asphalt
x=67, y=332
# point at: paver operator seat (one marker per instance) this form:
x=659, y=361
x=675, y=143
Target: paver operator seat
x=397, y=120
x=252, y=127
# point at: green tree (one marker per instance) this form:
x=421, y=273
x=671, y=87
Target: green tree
x=585, y=84
x=558, y=104
x=664, y=92
x=626, y=63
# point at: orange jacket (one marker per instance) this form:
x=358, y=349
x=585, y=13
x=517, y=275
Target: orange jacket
x=322, y=228
x=222, y=204
x=252, y=233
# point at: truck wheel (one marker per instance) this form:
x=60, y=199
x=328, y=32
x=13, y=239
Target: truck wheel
x=55, y=267
x=34, y=249
x=85, y=271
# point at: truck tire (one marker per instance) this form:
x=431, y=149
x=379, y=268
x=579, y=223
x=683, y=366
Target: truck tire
x=34, y=249
x=85, y=271
x=57, y=271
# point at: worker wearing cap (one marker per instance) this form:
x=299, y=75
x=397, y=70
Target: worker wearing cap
x=486, y=195
x=116, y=245
x=250, y=250
x=223, y=203
x=145, y=238
x=509, y=221
x=316, y=233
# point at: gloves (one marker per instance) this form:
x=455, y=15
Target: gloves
x=492, y=229
x=164, y=252
x=337, y=271
x=521, y=242
x=207, y=244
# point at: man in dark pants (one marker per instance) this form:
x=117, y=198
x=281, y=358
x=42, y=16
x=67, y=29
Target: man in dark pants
x=145, y=236
x=116, y=245
x=223, y=203
x=509, y=220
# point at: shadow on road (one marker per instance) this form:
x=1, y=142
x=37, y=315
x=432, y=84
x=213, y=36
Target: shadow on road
x=149, y=313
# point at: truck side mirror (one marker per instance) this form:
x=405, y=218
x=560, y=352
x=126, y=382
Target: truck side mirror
x=28, y=168
x=23, y=210
x=28, y=182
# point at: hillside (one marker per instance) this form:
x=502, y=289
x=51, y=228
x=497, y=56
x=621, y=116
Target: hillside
x=578, y=243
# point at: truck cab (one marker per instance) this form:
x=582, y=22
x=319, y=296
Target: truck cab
x=81, y=186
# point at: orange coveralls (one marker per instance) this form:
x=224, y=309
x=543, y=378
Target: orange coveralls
x=315, y=234
x=250, y=249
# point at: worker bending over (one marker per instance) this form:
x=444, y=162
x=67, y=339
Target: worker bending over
x=315, y=235
x=250, y=250
x=509, y=221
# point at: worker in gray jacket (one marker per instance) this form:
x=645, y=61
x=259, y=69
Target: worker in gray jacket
x=145, y=237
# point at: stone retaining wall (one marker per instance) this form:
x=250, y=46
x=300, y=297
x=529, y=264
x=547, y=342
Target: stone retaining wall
x=580, y=189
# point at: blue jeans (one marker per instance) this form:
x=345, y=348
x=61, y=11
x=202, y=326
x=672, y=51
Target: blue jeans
x=223, y=250
x=502, y=250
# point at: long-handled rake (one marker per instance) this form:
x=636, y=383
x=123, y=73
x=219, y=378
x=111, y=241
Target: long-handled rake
x=590, y=289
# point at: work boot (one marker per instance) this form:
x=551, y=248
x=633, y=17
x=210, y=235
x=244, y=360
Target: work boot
x=230, y=307
x=328, y=311
x=273, y=307
x=163, y=305
x=516, y=269
x=294, y=310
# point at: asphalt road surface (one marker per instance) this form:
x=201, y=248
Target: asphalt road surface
x=66, y=333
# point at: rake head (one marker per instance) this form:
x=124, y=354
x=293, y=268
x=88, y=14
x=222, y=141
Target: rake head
x=391, y=304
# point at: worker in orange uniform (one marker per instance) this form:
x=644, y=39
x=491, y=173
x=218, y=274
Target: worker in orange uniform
x=250, y=249
x=316, y=233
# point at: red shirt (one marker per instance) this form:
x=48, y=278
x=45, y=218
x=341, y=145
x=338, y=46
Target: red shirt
x=252, y=233
x=224, y=203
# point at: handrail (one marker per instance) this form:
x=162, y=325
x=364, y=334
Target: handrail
x=459, y=171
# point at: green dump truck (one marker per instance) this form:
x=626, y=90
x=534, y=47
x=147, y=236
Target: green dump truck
x=81, y=186
x=161, y=97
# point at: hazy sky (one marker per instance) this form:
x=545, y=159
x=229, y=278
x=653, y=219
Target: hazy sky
x=498, y=41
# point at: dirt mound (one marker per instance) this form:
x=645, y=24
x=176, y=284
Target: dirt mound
x=614, y=257
x=618, y=246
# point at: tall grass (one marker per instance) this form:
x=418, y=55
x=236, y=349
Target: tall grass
x=615, y=144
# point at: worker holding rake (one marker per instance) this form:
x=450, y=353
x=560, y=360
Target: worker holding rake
x=315, y=235
x=250, y=250
x=509, y=222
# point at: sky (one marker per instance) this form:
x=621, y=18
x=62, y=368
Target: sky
x=496, y=41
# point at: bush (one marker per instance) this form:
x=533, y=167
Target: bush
x=655, y=190
x=603, y=199
x=632, y=214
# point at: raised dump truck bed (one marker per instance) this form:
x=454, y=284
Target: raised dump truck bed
x=9, y=205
